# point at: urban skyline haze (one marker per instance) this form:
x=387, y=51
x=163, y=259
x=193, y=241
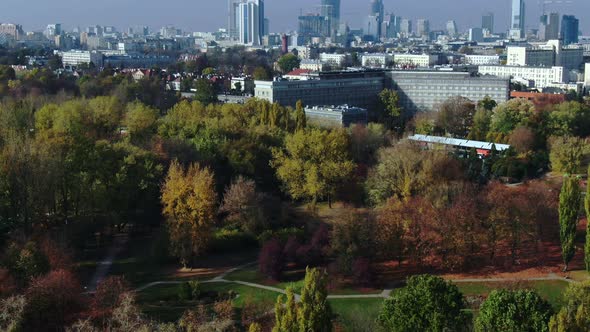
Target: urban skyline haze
x=203, y=15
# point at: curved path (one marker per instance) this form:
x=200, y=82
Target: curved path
x=384, y=295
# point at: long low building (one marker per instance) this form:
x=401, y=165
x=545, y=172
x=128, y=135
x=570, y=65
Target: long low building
x=482, y=148
x=426, y=90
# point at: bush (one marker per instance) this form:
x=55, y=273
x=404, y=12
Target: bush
x=228, y=240
x=184, y=292
x=290, y=250
x=195, y=289
x=282, y=234
x=271, y=260
x=362, y=272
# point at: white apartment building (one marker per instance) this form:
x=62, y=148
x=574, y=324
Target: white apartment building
x=415, y=60
x=541, y=76
x=526, y=56
x=333, y=59
x=376, y=60
x=587, y=74
x=479, y=60
x=78, y=57
x=313, y=65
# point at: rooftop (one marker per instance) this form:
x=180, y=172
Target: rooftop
x=458, y=142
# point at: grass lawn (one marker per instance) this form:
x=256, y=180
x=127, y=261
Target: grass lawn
x=357, y=314
x=161, y=302
x=552, y=290
x=579, y=275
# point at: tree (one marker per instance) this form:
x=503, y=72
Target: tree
x=508, y=116
x=52, y=301
x=11, y=313
x=567, y=154
x=392, y=114
x=286, y=313
x=455, y=116
x=426, y=303
x=587, y=206
x=487, y=103
x=522, y=139
x=313, y=164
x=314, y=312
x=569, y=206
x=205, y=91
x=574, y=315
x=521, y=310
x=352, y=239
x=255, y=327
x=570, y=119
x=107, y=297
x=140, y=121
x=288, y=62
x=188, y=199
x=481, y=125
x=261, y=74
x=300, y=117
x=243, y=206
x=271, y=260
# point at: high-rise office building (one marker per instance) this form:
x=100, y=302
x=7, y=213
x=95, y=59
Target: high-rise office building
x=452, y=28
x=517, y=20
x=331, y=10
x=422, y=27
x=246, y=21
x=549, y=26
x=406, y=27
x=570, y=29
x=391, y=26
x=487, y=22
x=52, y=30
x=375, y=19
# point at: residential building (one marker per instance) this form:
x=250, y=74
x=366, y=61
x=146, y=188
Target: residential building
x=570, y=29
x=313, y=65
x=414, y=60
x=487, y=22
x=354, y=88
x=339, y=116
x=539, y=77
x=376, y=60
x=78, y=57
x=334, y=60
x=426, y=90
x=587, y=75
x=14, y=31
x=517, y=20
x=479, y=60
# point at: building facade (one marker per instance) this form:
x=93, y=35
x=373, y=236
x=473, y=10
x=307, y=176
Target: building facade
x=570, y=29
x=487, y=22
x=415, y=60
x=339, y=116
x=427, y=90
x=541, y=77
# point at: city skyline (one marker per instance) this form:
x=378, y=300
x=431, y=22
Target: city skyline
x=190, y=15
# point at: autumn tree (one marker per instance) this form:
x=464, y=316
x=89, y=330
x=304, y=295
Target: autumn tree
x=567, y=154
x=188, y=199
x=352, y=239
x=243, y=206
x=314, y=312
x=140, y=121
x=569, y=206
x=574, y=315
x=300, y=117
x=481, y=125
x=521, y=310
x=271, y=260
x=587, y=206
x=508, y=116
x=426, y=303
x=392, y=114
x=455, y=116
x=313, y=164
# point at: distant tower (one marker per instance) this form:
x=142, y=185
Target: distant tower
x=422, y=27
x=452, y=28
x=331, y=10
x=549, y=27
x=518, y=19
x=250, y=22
x=570, y=29
x=284, y=44
x=487, y=22
x=375, y=19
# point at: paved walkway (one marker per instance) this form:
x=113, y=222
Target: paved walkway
x=384, y=295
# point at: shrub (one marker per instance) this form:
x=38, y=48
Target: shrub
x=290, y=250
x=184, y=292
x=195, y=287
x=362, y=272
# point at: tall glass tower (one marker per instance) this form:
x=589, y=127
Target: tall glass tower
x=518, y=16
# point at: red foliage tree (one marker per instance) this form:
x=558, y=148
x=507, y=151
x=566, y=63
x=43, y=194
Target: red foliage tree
x=290, y=250
x=271, y=260
x=53, y=301
x=107, y=297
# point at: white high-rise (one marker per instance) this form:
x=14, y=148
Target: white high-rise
x=518, y=20
x=246, y=21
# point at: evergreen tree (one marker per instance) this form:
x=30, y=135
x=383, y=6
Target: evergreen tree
x=286, y=313
x=300, y=117
x=569, y=205
x=314, y=313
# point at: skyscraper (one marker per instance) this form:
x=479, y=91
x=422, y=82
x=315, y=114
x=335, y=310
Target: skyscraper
x=487, y=22
x=422, y=27
x=549, y=27
x=406, y=27
x=452, y=28
x=570, y=29
x=246, y=21
x=375, y=19
x=518, y=19
x=331, y=10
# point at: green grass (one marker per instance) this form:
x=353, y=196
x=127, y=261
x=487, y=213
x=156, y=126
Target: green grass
x=551, y=291
x=357, y=314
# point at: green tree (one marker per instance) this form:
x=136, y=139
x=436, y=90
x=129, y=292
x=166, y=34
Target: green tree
x=255, y=327
x=286, y=313
x=567, y=154
x=570, y=199
x=427, y=303
x=508, y=116
x=574, y=315
x=455, y=116
x=314, y=163
x=487, y=103
x=188, y=199
x=481, y=125
x=521, y=310
x=300, y=117
x=570, y=119
x=314, y=312
x=288, y=62
x=205, y=91
x=141, y=121
x=261, y=74
x=392, y=114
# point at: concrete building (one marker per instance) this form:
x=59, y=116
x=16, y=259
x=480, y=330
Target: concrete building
x=334, y=60
x=476, y=35
x=570, y=29
x=423, y=27
x=354, y=88
x=526, y=56
x=313, y=65
x=452, y=29
x=426, y=90
x=13, y=31
x=251, y=22
x=479, y=60
x=406, y=27
x=517, y=20
x=376, y=60
x=487, y=22
x=549, y=26
x=587, y=75
x=540, y=77
x=414, y=60
x=339, y=116
x=76, y=58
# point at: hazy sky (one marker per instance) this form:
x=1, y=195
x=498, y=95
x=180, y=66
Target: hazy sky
x=208, y=15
